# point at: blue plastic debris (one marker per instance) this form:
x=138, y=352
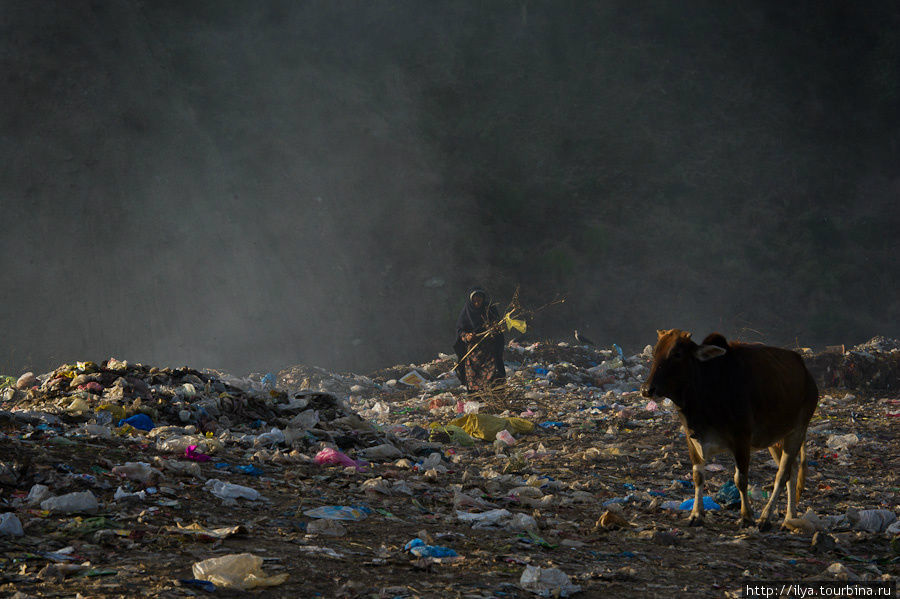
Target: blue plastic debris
x=728, y=495
x=418, y=548
x=269, y=381
x=248, y=469
x=630, y=486
x=552, y=424
x=354, y=513
x=540, y=370
x=138, y=421
x=708, y=504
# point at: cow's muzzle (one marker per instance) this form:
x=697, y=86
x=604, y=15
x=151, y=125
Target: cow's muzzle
x=648, y=390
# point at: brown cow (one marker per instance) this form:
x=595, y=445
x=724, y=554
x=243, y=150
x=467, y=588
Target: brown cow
x=737, y=397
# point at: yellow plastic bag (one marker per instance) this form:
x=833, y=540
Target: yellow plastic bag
x=118, y=412
x=457, y=435
x=485, y=426
x=512, y=323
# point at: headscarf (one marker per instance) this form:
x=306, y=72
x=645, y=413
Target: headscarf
x=472, y=319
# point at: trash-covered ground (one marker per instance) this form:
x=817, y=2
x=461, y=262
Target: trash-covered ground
x=124, y=480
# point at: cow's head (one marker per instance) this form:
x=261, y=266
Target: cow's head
x=674, y=359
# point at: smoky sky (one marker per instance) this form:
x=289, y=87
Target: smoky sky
x=251, y=185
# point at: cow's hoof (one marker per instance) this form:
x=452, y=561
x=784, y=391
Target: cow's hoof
x=695, y=521
x=745, y=522
x=764, y=524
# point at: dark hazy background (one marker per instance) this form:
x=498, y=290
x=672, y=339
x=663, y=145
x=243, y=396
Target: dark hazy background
x=250, y=185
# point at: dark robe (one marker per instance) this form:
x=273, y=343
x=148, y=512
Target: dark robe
x=483, y=367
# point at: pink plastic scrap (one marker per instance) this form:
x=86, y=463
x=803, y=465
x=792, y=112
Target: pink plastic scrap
x=333, y=456
x=191, y=453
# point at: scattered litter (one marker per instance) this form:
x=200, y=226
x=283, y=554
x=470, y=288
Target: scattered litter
x=85, y=497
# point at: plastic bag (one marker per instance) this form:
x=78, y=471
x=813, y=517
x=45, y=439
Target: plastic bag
x=485, y=426
x=138, y=421
x=871, y=520
x=240, y=571
x=383, y=451
x=273, y=437
x=506, y=437
x=82, y=502
x=418, y=548
x=10, y=525
x=226, y=490
x=139, y=471
x=333, y=456
x=338, y=512
x=547, y=582
x=708, y=504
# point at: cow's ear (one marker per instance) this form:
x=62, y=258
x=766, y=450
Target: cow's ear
x=708, y=352
x=686, y=334
x=660, y=333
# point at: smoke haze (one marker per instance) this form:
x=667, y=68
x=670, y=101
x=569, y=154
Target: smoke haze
x=247, y=186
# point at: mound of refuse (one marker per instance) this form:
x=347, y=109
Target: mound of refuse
x=118, y=476
x=873, y=366
x=182, y=406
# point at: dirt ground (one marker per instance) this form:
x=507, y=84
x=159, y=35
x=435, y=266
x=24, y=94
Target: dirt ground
x=596, y=447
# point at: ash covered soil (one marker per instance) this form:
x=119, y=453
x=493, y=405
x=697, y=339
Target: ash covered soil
x=587, y=495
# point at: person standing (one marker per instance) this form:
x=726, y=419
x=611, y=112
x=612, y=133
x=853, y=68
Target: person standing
x=479, y=344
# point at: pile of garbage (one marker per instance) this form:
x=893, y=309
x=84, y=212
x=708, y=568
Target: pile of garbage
x=183, y=407
x=873, y=366
x=118, y=476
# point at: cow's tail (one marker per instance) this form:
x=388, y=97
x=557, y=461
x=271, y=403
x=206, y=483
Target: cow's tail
x=801, y=475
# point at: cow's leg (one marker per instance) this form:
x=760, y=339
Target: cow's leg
x=775, y=450
x=797, y=474
x=791, y=490
x=741, y=476
x=697, y=462
x=791, y=449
